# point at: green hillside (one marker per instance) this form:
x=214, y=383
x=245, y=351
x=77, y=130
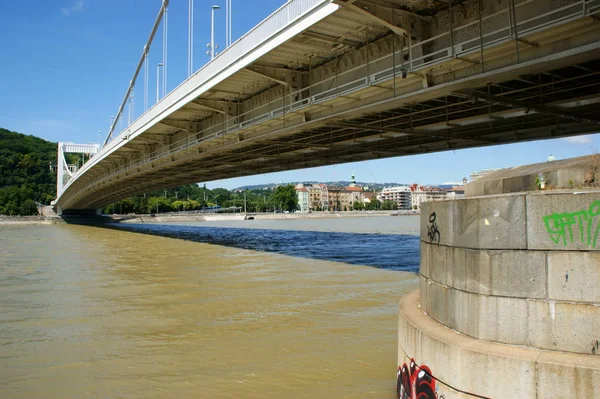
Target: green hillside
x=25, y=176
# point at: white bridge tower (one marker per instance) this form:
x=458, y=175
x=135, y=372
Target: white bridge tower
x=66, y=171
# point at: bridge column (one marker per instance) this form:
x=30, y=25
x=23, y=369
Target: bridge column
x=65, y=171
x=508, y=305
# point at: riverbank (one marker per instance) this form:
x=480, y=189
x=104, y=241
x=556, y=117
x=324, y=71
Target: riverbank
x=31, y=220
x=213, y=217
x=192, y=217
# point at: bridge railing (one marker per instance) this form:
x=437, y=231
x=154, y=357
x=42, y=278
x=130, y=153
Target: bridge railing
x=433, y=51
x=271, y=25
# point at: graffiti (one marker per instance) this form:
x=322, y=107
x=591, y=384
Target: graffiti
x=562, y=226
x=595, y=347
x=433, y=231
x=415, y=382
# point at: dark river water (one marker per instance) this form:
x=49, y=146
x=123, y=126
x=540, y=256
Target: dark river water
x=385, y=251
x=303, y=309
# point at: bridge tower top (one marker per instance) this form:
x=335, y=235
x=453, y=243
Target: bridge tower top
x=64, y=170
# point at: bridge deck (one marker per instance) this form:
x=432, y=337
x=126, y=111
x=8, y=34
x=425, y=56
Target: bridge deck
x=322, y=83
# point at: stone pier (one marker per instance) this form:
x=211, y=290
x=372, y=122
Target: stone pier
x=509, y=297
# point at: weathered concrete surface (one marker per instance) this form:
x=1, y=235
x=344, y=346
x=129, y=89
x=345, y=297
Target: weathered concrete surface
x=513, y=273
x=488, y=222
x=563, y=220
x=27, y=220
x=567, y=173
x=574, y=276
x=491, y=369
x=562, y=326
x=515, y=278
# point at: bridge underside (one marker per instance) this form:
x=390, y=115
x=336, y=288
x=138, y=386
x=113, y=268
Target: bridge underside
x=373, y=96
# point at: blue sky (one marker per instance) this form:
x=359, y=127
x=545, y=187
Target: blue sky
x=66, y=65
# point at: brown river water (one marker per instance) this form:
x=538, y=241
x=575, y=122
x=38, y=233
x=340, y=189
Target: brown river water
x=107, y=313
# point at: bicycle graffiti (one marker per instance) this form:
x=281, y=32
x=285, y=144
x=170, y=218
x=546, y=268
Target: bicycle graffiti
x=433, y=232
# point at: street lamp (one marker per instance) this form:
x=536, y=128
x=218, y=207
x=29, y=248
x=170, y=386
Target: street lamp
x=211, y=45
x=130, y=107
x=190, y=37
x=158, y=66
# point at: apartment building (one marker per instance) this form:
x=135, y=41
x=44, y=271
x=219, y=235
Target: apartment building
x=401, y=195
x=303, y=198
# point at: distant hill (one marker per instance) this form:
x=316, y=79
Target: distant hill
x=25, y=175
x=371, y=186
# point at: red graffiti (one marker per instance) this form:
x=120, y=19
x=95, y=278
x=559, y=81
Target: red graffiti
x=415, y=382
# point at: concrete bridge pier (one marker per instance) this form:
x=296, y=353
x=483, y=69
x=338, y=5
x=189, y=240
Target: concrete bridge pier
x=509, y=297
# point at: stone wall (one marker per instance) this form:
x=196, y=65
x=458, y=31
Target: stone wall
x=514, y=280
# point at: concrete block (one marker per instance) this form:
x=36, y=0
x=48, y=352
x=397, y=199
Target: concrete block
x=491, y=369
x=425, y=260
x=437, y=222
x=493, y=318
x=464, y=315
x=477, y=271
x=515, y=273
x=497, y=376
x=558, y=381
x=457, y=270
x=574, y=276
x=474, y=188
x=518, y=183
x=492, y=187
x=563, y=326
x=492, y=272
x=423, y=282
x=492, y=223
x=563, y=221
x=438, y=255
x=502, y=319
x=464, y=362
x=437, y=303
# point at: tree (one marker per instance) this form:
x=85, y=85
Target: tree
x=388, y=205
x=25, y=172
x=358, y=206
x=373, y=205
x=159, y=204
x=285, y=198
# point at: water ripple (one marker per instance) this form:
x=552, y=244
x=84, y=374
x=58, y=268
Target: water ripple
x=385, y=251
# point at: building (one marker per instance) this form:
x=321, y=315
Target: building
x=350, y=195
x=420, y=194
x=401, y=195
x=368, y=197
x=314, y=196
x=336, y=196
x=455, y=192
x=324, y=197
x=303, y=198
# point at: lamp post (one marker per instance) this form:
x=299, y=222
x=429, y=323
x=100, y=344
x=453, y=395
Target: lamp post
x=146, y=82
x=164, y=59
x=212, y=31
x=190, y=37
x=158, y=66
x=110, y=124
x=227, y=23
x=130, y=106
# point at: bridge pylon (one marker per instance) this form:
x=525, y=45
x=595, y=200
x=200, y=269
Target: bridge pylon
x=66, y=171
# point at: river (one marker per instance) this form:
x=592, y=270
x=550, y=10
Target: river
x=248, y=309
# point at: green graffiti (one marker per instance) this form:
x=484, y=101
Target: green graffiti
x=563, y=227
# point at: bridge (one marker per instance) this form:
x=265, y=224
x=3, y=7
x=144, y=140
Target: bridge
x=321, y=82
